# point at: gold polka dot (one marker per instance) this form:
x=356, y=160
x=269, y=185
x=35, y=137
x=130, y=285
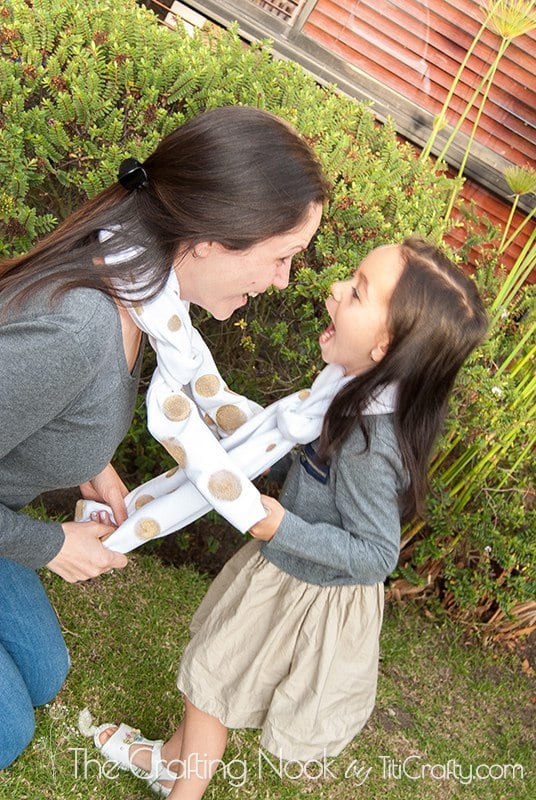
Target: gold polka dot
x=171, y=472
x=147, y=528
x=304, y=394
x=177, y=451
x=176, y=407
x=208, y=420
x=229, y=418
x=270, y=447
x=138, y=308
x=224, y=485
x=79, y=510
x=142, y=500
x=174, y=323
x=207, y=385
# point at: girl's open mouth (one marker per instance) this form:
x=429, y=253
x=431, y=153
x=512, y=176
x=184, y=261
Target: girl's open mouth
x=327, y=334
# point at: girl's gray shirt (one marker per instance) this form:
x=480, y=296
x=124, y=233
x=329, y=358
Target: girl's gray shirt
x=343, y=528
x=66, y=401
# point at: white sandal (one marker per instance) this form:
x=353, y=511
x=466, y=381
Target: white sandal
x=116, y=749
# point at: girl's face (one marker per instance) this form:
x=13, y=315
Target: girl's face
x=220, y=280
x=359, y=308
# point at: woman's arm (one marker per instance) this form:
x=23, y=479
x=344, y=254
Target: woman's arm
x=43, y=370
x=107, y=487
x=83, y=555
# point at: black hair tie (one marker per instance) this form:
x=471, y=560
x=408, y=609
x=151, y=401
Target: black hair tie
x=132, y=175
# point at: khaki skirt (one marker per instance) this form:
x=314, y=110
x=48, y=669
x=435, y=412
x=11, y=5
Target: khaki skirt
x=297, y=660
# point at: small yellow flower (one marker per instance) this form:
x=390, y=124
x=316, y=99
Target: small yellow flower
x=6, y=205
x=248, y=344
x=511, y=18
x=521, y=180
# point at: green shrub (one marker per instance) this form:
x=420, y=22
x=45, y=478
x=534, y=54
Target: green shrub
x=83, y=85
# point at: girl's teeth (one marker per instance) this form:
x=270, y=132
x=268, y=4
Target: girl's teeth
x=328, y=333
x=253, y=294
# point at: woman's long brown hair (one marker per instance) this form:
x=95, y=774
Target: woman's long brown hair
x=235, y=175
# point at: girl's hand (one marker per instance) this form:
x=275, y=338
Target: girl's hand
x=83, y=555
x=107, y=487
x=267, y=527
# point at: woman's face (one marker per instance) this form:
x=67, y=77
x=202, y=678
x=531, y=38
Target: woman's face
x=220, y=280
x=359, y=308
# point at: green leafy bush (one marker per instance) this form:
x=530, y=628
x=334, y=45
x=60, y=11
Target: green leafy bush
x=83, y=85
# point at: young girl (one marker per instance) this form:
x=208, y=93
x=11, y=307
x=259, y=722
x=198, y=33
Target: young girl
x=286, y=639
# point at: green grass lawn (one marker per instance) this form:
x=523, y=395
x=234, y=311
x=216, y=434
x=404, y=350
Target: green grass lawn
x=452, y=720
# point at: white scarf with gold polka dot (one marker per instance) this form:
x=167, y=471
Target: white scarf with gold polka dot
x=220, y=440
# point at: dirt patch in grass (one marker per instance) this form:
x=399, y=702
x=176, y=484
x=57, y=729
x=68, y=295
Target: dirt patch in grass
x=206, y=545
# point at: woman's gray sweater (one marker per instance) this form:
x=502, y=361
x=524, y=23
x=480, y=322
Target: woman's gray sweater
x=66, y=401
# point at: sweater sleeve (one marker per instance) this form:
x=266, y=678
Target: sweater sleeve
x=365, y=547
x=30, y=542
x=42, y=371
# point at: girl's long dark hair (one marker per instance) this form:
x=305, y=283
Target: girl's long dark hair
x=235, y=175
x=436, y=317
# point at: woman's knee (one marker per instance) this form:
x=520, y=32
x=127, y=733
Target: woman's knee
x=15, y=735
x=30, y=632
x=52, y=674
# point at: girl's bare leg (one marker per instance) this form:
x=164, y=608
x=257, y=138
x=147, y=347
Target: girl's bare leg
x=202, y=740
x=171, y=749
x=140, y=754
x=194, y=752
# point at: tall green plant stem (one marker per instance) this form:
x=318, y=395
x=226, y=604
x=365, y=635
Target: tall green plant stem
x=486, y=465
x=484, y=87
x=501, y=247
x=440, y=120
x=483, y=450
x=485, y=84
x=513, y=355
x=525, y=263
x=525, y=391
x=504, y=245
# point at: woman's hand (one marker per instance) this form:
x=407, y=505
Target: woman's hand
x=267, y=527
x=107, y=487
x=83, y=555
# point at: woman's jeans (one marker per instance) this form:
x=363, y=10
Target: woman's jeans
x=33, y=656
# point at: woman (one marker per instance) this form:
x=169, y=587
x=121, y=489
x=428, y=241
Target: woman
x=220, y=208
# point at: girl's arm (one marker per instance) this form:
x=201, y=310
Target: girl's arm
x=266, y=528
x=364, y=546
